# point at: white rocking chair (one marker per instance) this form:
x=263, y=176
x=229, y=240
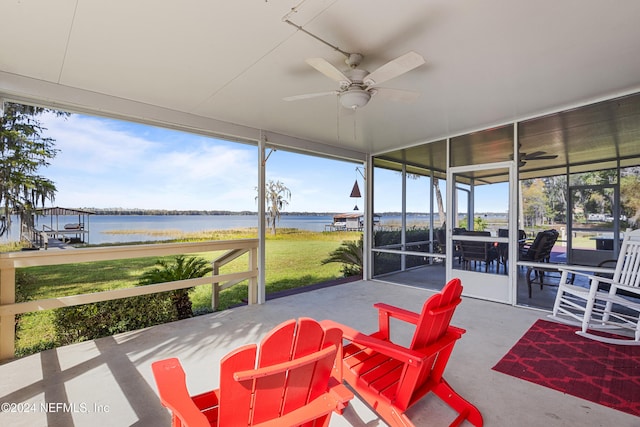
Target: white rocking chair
x=608, y=304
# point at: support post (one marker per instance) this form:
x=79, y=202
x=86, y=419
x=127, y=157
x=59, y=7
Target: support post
x=262, y=166
x=254, y=289
x=215, y=288
x=403, y=227
x=367, y=233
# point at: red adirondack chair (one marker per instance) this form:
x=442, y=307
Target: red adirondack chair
x=294, y=380
x=391, y=378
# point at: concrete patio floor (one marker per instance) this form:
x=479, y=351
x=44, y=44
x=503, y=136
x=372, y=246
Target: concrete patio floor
x=108, y=382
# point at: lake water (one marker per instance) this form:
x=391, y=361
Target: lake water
x=99, y=225
x=136, y=228
x=140, y=228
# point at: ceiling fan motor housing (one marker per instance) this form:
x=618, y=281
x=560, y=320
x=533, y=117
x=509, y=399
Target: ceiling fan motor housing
x=355, y=94
x=354, y=97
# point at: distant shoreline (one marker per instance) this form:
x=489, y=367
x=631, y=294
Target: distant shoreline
x=149, y=212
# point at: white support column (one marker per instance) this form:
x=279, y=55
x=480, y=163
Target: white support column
x=403, y=230
x=514, y=226
x=471, y=206
x=367, y=233
x=432, y=196
x=449, y=213
x=262, y=166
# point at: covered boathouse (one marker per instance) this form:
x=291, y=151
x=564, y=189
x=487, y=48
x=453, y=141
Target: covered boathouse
x=56, y=226
x=350, y=221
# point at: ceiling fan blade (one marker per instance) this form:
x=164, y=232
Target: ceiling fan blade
x=539, y=155
x=529, y=156
x=310, y=95
x=398, y=66
x=326, y=68
x=396, y=94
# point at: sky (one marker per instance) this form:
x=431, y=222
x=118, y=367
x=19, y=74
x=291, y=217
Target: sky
x=106, y=163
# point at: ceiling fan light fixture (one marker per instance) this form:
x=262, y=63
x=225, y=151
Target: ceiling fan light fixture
x=354, y=98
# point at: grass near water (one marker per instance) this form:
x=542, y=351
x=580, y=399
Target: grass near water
x=293, y=259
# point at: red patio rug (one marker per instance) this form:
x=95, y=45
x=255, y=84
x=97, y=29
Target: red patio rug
x=552, y=355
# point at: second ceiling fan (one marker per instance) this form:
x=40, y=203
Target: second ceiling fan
x=536, y=155
x=357, y=86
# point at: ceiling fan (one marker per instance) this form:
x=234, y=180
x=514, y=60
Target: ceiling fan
x=536, y=155
x=357, y=85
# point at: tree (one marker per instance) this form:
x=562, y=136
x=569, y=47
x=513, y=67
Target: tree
x=24, y=151
x=556, y=191
x=535, y=201
x=441, y=211
x=278, y=196
x=479, y=224
x=630, y=197
x=181, y=268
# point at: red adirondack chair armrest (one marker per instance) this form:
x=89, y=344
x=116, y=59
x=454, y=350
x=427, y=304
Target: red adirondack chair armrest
x=324, y=403
x=409, y=356
x=397, y=312
x=340, y=394
x=172, y=388
x=455, y=330
x=386, y=347
x=386, y=311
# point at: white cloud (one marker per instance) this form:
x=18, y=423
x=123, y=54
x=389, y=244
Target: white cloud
x=91, y=145
x=106, y=164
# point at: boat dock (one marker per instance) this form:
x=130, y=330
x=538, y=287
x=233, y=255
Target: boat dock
x=55, y=235
x=352, y=221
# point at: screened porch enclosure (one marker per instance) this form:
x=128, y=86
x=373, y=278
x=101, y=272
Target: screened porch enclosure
x=577, y=172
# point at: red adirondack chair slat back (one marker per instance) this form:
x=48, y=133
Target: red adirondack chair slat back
x=268, y=397
x=436, y=315
x=293, y=378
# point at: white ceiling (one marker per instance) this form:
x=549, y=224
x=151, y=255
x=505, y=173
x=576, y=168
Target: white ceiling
x=224, y=66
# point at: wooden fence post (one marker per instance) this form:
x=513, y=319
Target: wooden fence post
x=215, y=287
x=8, y=321
x=253, y=282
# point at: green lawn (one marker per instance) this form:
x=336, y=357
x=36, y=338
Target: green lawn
x=293, y=259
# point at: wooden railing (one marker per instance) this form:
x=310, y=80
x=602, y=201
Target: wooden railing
x=34, y=237
x=12, y=260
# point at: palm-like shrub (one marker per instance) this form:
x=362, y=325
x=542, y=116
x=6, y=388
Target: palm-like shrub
x=349, y=254
x=180, y=268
